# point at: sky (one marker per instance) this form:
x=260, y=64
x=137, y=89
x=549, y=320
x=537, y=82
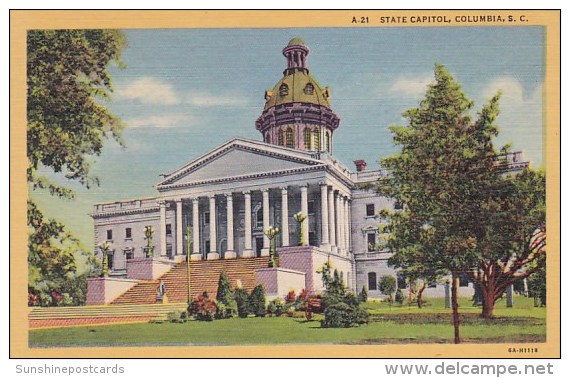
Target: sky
x=184, y=92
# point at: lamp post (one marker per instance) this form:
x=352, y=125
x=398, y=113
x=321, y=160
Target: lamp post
x=188, y=253
x=300, y=217
x=271, y=233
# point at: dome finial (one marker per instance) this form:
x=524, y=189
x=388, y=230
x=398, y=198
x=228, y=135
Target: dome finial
x=296, y=53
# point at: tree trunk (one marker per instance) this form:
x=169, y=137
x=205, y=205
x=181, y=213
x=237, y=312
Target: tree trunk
x=455, y=307
x=488, y=304
x=420, y=294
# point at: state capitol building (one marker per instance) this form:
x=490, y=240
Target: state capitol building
x=216, y=207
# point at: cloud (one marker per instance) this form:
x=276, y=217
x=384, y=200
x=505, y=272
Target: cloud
x=207, y=100
x=158, y=121
x=411, y=86
x=149, y=90
x=520, y=120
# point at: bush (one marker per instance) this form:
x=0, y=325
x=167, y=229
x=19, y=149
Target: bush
x=290, y=297
x=399, y=297
x=363, y=296
x=257, y=301
x=227, y=305
x=342, y=315
x=276, y=307
x=177, y=317
x=203, y=308
x=242, y=302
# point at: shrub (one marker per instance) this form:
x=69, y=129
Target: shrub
x=227, y=305
x=276, y=307
x=203, y=308
x=290, y=297
x=257, y=301
x=242, y=302
x=399, y=298
x=363, y=296
x=388, y=286
x=176, y=317
x=342, y=315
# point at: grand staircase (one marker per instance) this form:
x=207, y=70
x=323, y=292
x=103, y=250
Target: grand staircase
x=204, y=276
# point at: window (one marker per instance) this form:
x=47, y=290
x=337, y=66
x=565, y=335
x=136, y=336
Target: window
x=311, y=207
x=129, y=254
x=169, y=229
x=371, y=238
x=401, y=281
x=290, y=137
x=109, y=234
x=317, y=138
x=372, y=281
x=206, y=218
x=328, y=141
x=259, y=218
x=309, y=89
x=313, y=238
x=399, y=205
x=463, y=280
x=207, y=246
x=283, y=90
x=128, y=233
x=307, y=138
x=370, y=211
x=110, y=261
x=281, y=138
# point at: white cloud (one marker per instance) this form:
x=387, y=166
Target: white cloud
x=411, y=86
x=520, y=120
x=149, y=90
x=158, y=121
x=207, y=100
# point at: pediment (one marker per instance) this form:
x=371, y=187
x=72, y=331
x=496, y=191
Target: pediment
x=238, y=159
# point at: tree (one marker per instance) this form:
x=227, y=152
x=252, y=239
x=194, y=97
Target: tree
x=387, y=286
x=257, y=301
x=407, y=239
x=225, y=296
x=67, y=79
x=537, y=286
x=511, y=239
x=443, y=173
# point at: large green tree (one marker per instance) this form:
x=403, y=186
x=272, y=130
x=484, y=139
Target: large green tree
x=441, y=174
x=67, y=84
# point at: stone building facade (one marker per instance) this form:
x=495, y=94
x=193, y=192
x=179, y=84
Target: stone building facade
x=218, y=205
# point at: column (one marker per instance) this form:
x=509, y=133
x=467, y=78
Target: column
x=248, y=252
x=332, y=227
x=230, y=253
x=162, y=206
x=179, y=232
x=338, y=222
x=305, y=211
x=284, y=218
x=346, y=226
x=265, y=250
x=213, y=254
x=196, y=255
x=324, y=217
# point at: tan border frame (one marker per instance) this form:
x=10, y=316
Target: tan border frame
x=22, y=20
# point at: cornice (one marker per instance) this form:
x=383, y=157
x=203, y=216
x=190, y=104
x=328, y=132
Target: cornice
x=114, y=213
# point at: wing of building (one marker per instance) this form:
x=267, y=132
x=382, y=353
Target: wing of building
x=216, y=208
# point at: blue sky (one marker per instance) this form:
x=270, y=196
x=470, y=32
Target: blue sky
x=184, y=92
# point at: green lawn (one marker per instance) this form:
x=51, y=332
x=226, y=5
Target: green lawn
x=432, y=324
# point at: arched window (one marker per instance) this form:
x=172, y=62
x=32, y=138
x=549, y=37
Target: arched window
x=309, y=89
x=372, y=281
x=290, y=138
x=307, y=138
x=283, y=90
x=281, y=137
x=328, y=141
x=317, y=138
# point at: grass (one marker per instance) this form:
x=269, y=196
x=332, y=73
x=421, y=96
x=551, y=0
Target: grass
x=431, y=324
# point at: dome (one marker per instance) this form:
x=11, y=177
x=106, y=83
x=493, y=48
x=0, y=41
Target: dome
x=297, y=41
x=299, y=87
